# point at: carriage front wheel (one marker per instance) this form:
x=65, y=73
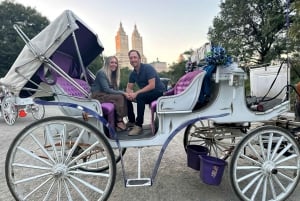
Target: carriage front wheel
x=265, y=165
x=38, y=111
x=44, y=162
x=9, y=110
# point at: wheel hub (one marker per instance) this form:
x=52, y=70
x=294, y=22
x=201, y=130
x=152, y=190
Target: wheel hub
x=269, y=168
x=59, y=170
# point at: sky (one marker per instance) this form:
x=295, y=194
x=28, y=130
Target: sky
x=168, y=27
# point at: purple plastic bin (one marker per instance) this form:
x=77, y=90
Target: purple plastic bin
x=193, y=153
x=212, y=169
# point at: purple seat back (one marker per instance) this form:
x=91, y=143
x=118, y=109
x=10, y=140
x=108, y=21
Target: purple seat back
x=66, y=63
x=185, y=81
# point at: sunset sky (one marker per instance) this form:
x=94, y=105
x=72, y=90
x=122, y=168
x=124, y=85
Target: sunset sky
x=168, y=27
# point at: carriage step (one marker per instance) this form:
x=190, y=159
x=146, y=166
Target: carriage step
x=138, y=182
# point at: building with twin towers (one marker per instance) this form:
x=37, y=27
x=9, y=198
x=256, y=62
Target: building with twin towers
x=122, y=46
x=122, y=49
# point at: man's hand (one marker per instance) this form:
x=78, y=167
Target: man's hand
x=131, y=96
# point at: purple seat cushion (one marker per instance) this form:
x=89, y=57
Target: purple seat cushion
x=108, y=110
x=71, y=90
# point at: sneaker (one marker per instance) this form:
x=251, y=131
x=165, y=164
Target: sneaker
x=136, y=130
x=130, y=124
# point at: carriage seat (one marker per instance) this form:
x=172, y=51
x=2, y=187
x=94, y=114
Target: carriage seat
x=182, y=97
x=65, y=87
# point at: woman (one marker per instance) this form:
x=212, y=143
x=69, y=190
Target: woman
x=105, y=89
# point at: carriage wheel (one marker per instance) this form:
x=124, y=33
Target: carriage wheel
x=9, y=110
x=219, y=141
x=43, y=162
x=265, y=165
x=38, y=111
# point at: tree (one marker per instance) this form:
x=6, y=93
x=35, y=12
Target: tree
x=124, y=78
x=295, y=26
x=96, y=64
x=252, y=30
x=176, y=71
x=11, y=44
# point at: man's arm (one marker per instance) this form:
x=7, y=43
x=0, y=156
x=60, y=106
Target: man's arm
x=149, y=87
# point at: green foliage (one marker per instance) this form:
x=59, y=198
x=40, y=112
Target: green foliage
x=11, y=44
x=176, y=71
x=124, y=78
x=254, y=31
x=294, y=32
x=96, y=64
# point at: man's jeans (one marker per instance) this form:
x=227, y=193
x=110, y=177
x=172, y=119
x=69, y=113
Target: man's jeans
x=141, y=100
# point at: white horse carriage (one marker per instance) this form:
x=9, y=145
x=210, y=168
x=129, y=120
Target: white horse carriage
x=68, y=158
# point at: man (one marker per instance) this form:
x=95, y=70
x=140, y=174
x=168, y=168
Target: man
x=150, y=88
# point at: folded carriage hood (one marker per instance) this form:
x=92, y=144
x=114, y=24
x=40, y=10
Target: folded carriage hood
x=57, y=36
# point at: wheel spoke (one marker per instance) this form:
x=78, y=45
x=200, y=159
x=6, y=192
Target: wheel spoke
x=88, y=163
x=282, y=152
x=248, y=168
x=77, y=190
x=265, y=190
x=277, y=147
x=290, y=179
x=250, y=159
x=63, y=143
x=30, y=166
x=251, y=183
x=255, y=152
x=257, y=188
x=49, y=191
x=90, y=173
x=87, y=184
x=29, y=153
x=279, y=183
x=29, y=179
x=59, y=188
x=81, y=155
x=71, y=152
x=248, y=176
x=42, y=148
x=286, y=159
x=262, y=147
x=67, y=190
x=270, y=142
x=37, y=188
x=272, y=188
x=50, y=138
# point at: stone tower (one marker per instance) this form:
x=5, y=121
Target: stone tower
x=122, y=47
x=137, y=43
